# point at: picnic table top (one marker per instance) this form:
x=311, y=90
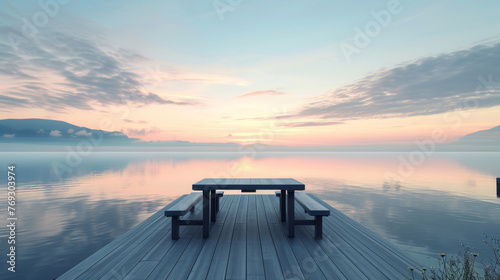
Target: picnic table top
x=248, y=184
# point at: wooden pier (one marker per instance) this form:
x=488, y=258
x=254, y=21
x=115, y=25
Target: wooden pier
x=248, y=241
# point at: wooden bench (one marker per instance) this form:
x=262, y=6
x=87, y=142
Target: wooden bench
x=185, y=205
x=313, y=208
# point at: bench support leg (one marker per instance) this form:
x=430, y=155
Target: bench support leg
x=217, y=204
x=283, y=205
x=291, y=213
x=175, y=227
x=318, y=227
x=213, y=199
x=206, y=213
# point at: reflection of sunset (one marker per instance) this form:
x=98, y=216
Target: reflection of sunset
x=109, y=193
x=167, y=177
x=370, y=171
x=162, y=177
x=245, y=164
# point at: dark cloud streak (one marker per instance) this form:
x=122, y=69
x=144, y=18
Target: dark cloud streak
x=264, y=92
x=309, y=124
x=88, y=72
x=428, y=86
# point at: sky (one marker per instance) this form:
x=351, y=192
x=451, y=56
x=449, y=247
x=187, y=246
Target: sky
x=295, y=73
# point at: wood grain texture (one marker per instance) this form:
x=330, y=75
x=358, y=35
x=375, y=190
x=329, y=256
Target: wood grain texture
x=248, y=241
x=184, y=205
x=248, y=184
x=311, y=206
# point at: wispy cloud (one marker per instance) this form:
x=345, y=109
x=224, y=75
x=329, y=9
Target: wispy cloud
x=57, y=70
x=264, y=92
x=205, y=78
x=431, y=85
x=55, y=133
x=142, y=132
x=83, y=132
x=309, y=124
x=132, y=121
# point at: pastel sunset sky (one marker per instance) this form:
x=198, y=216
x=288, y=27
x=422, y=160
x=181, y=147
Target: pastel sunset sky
x=297, y=73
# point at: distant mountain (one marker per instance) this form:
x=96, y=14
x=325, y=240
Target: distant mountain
x=42, y=131
x=27, y=134
x=59, y=133
x=482, y=138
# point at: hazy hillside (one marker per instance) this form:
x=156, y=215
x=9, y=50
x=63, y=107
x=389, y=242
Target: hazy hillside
x=489, y=137
x=40, y=131
x=29, y=134
x=33, y=132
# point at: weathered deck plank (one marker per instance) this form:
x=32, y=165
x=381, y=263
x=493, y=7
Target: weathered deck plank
x=191, y=236
x=391, y=255
x=269, y=255
x=288, y=260
x=220, y=258
x=203, y=262
x=317, y=259
x=188, y=259
x=140, y=271
x=248, y=241
x=363, y=233
x=116, y=244
x=255, y=263
x=236, y=267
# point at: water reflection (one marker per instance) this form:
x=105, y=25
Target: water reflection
x=451, y=197
x=423, y=223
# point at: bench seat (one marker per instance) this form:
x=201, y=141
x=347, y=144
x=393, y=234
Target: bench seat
x=313, y=208
x=185, y=205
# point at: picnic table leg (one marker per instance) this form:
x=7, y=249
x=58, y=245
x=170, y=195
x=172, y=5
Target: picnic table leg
x=213, y=204
x=206, y=210
x=175, y=227
x=283, y=205
x=291, y=213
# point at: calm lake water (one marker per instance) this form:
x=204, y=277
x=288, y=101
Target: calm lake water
x=69, y=207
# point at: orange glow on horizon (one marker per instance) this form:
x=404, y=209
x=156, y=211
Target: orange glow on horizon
x=166, y=178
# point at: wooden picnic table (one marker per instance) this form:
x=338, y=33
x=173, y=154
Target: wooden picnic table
x=288, y=186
